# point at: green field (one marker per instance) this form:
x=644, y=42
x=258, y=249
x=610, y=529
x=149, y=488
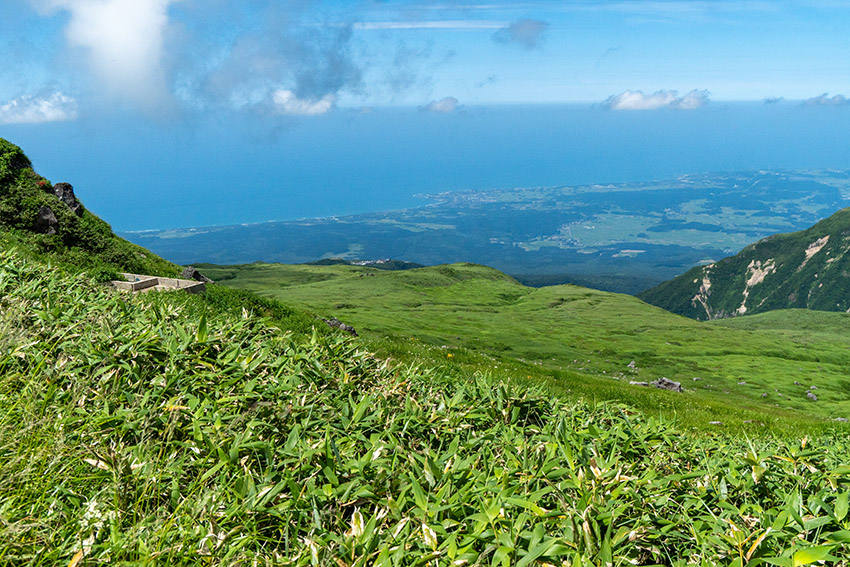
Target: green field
x=168, y=429
x=476, y=422
x=584, y=340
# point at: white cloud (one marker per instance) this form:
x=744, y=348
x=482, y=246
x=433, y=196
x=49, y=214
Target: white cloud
x=34, y=110
x=443, y=106
x=287, y=102
x=692, y=100
x=124, y=41
x=636, y=100
x=826, y=100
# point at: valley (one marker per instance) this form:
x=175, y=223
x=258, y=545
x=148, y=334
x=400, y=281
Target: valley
x=593, y=342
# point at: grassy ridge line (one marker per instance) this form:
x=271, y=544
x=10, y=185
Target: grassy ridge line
x=81, y=241
x=581, y=337
x=137, y=430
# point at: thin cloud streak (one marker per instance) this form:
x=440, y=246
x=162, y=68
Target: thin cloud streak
x=438, y=24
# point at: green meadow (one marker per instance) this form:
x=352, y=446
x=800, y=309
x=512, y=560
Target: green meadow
x=475, y=421
x=168, y=429
x=588, y=343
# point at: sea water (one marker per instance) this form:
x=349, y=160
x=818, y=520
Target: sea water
x=225, y=169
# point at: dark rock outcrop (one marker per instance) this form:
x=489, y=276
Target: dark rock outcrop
x=65, y=193
x=190, y=273
x=335, y=323
x=45, y=222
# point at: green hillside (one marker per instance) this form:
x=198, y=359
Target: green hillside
x=47, y=221
x=158, y=430
x=589, y=342
x=807, y=269
x=226, y=429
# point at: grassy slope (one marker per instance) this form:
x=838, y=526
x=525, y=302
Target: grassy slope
x=575, y=338
x=184, y=430
x=156, y=430
x=83, y=242
x=796, y=281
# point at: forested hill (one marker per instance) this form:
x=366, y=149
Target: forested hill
x=808, y=269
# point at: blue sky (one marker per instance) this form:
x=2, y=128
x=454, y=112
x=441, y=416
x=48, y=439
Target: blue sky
x=168, y=98
x=76, y=58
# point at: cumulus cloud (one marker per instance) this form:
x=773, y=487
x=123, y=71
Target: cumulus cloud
x=36, y=110
x=124, y=43
x=287, y=102
x=445, y=105
x=527, y=33
x=298, y=72
x=826, y=100
x=265, y=58
x=694, y=99
x=636, y=100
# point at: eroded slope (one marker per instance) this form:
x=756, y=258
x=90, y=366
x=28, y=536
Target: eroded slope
x=808, y=269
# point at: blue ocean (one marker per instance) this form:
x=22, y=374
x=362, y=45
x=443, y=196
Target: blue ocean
x=231, y=171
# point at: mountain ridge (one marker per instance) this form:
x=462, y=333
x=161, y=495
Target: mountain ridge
x=806, y=269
